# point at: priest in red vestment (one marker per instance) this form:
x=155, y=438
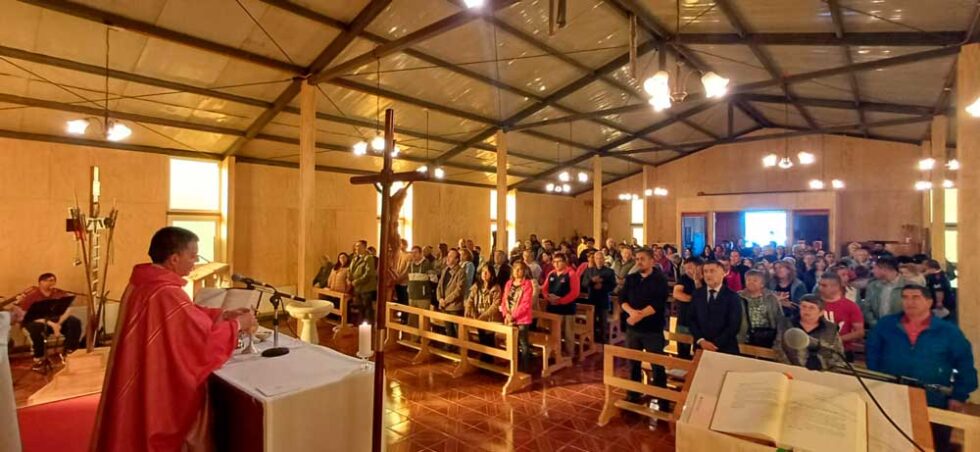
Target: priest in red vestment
x=163, y=351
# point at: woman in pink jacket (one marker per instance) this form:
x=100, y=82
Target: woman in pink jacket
x=516, y=308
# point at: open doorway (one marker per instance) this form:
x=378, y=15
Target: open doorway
x=694, y=231
x=766, y=226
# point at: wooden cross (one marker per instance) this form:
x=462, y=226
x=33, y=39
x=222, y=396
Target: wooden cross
x=388, y=250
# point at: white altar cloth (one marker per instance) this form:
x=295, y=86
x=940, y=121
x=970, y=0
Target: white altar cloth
x=313, y=399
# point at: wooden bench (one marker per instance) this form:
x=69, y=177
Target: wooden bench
x=616, y=333
x=745, y=349
x=613, y=383
x=516, y=380
x=547, y=338
x=585, y=345
x=343, y=327
x=969, y=424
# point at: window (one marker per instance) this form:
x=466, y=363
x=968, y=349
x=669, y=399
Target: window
x=766, y=226
x=404, y=216
x=511, y=218
x=196, y=202
x=636, y=220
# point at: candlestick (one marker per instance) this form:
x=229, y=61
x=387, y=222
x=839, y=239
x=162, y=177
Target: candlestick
x=364, y=349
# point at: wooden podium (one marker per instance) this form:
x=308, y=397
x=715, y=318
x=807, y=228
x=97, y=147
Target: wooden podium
x=907, y=406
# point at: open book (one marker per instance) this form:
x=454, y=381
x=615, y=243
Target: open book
x=227, y=299
x=792, y=414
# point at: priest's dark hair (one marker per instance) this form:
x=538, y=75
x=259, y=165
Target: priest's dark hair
x=168, y=241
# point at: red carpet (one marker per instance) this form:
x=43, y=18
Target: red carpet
x=64, y=426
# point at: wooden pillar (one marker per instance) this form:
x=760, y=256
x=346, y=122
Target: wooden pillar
x=648, y=202
x=937, y=227
x=502, y=191
x=306, y=255
x=968, y=184
x=227, y=248
x=926, y=202
x=597, y=201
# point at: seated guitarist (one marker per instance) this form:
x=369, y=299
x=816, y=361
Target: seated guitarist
x=68, y=325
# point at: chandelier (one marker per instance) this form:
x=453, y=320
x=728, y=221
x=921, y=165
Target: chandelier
x=663, y=95
x=565, y=177
x=928, y=165
x=378, y=142
x=784, y=162
x=112, y=129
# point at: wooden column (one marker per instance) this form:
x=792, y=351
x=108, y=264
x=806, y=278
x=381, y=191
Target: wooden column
x=597, y=201
x=937, y=227
x=306, y=255
x=926, y=202
x=648, y=202
x=502, y=191
x=968, y=184
x=227, y=248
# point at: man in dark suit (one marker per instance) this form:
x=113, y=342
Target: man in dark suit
x=716, y=313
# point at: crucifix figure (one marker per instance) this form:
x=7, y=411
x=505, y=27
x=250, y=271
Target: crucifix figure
x=390, y=243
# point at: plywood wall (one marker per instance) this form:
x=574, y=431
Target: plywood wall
x=266, y=220
x=38, y=185
x=447, y=213
x=878, y=200
x=553, y=217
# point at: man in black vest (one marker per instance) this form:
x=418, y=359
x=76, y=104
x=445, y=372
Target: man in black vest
x=716, y=313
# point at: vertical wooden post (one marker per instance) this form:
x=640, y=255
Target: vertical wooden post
x=926, y=203
x=597, y=201
x=227, y=252
x=307, y=186
x=502, y=242
x=937, y=230
x=648, y=201
x=968, y=186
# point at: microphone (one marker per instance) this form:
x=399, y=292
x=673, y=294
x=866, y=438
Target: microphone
x=798, y=339
x=240, y=278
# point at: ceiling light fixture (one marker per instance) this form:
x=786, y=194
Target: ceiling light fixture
x=77, y=126
x=923, y=185
x=770, y=160
x=564, y=176
x=473, y=4
x=549, y=187
x=948, y=183
x=927, y=164
x=816, y=184
x=423, y=169
x=806, y=158
x=648, y=192
x=439, y=173
x=378, y=143
x=953, y=165
x=360, y=148
x=117, y=131
x=837, y=184
x=659, y=191
x=583, y=177
x=662, y=95
x=974, y=108
x=785, y=163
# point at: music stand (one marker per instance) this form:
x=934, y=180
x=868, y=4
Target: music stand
x=49, y=310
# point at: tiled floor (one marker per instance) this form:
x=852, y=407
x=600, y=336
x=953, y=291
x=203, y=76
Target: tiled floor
x=429, y=410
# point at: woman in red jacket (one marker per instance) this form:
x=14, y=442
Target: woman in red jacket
x=516, y=308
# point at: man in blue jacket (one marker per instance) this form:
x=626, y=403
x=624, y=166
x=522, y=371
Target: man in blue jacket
x=918, y=345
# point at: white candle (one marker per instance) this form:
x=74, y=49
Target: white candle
x=364, y=340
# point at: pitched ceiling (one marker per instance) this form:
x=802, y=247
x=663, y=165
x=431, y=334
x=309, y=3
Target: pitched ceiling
x=215, y=78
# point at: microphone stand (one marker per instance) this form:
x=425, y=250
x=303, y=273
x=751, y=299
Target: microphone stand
x=876, y=376
x=277, y=304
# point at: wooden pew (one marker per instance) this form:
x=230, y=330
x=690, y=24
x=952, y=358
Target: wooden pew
x=585, y=345
x=343, y=326
x=547, y=337
x=616, y=333
x=746, y=350
x=960, y=421
x=613, y=383
x=516, y=380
